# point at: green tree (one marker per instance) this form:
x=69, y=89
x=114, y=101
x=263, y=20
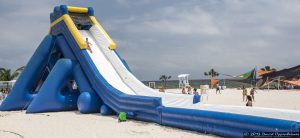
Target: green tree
x=268, y=68
x=211, y=73
x=163, y=79
x=7, y=75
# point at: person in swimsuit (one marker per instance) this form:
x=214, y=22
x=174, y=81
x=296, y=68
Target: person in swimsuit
x=252, y=93
x=88, y=44
x=195, y=91
x=189, y=91
x=218, y=89
x=244, y=92
x=249, y=100
x=183, y=91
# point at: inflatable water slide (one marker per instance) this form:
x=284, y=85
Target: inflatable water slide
x=77, y=67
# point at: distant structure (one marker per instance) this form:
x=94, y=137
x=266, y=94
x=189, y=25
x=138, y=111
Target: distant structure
x=7, y=84
x=152, y=85
x=183, y=80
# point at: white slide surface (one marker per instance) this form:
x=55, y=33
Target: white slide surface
x=168, y=99
x=104, y=67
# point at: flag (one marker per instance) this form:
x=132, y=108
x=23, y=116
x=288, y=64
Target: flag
x=214, y=82
x=248, y=77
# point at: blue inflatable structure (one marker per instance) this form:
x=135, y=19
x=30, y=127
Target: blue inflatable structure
x=65, y=73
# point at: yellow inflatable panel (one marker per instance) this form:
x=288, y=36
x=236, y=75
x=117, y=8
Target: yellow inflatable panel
x=77, y=9
x=112, y=45
x=71, y=26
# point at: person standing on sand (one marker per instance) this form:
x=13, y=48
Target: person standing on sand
x=161, y=89
x=252, y=93
x=195, y=91
x=249, y=100
x=189, y=91
x=183, y=91
x=88, y=44
x=218, y=89
x=244, y=92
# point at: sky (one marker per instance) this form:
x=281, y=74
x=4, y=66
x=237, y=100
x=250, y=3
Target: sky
x=170, y=37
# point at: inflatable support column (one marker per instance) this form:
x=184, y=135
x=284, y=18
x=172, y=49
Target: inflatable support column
x=88, y=101
x=50, y=95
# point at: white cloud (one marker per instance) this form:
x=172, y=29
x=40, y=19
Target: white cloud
x=177, y=22
x=232, y=36
x=171, y=37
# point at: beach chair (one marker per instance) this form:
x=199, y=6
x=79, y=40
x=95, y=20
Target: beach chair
x=204, y=91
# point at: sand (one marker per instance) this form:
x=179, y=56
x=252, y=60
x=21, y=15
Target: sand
x=73, y=124
x=282, y=99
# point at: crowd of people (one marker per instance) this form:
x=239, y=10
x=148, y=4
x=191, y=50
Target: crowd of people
x=190, y=90
x=248, y=98
x=4, y=92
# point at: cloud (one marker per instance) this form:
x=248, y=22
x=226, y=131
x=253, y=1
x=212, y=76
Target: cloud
x=178, y=22
x=231, y=36
x=170, y=36
x=22, y=29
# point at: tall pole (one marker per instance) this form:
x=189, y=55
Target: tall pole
x=278, y=83
x=268, y=84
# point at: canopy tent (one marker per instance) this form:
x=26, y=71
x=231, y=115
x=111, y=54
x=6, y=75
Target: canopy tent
x=285, y=75
x=288, y=74
x=296, y=82
x=262, y=72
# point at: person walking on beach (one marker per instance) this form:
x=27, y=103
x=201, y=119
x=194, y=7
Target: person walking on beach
x=249, y=100
x=252, y=93
x=88, y=44
x=218, y=89
x=244, y=92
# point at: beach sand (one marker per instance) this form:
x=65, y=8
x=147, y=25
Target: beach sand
x=17, y=124
x=73, y=124
x=282, y=99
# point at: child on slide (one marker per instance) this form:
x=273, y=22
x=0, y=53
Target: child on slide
x=88, y=45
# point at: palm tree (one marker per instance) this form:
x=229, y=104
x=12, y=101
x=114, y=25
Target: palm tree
x=268, y=68
x=163, y=79
x=212, y=73
x=7, y=75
